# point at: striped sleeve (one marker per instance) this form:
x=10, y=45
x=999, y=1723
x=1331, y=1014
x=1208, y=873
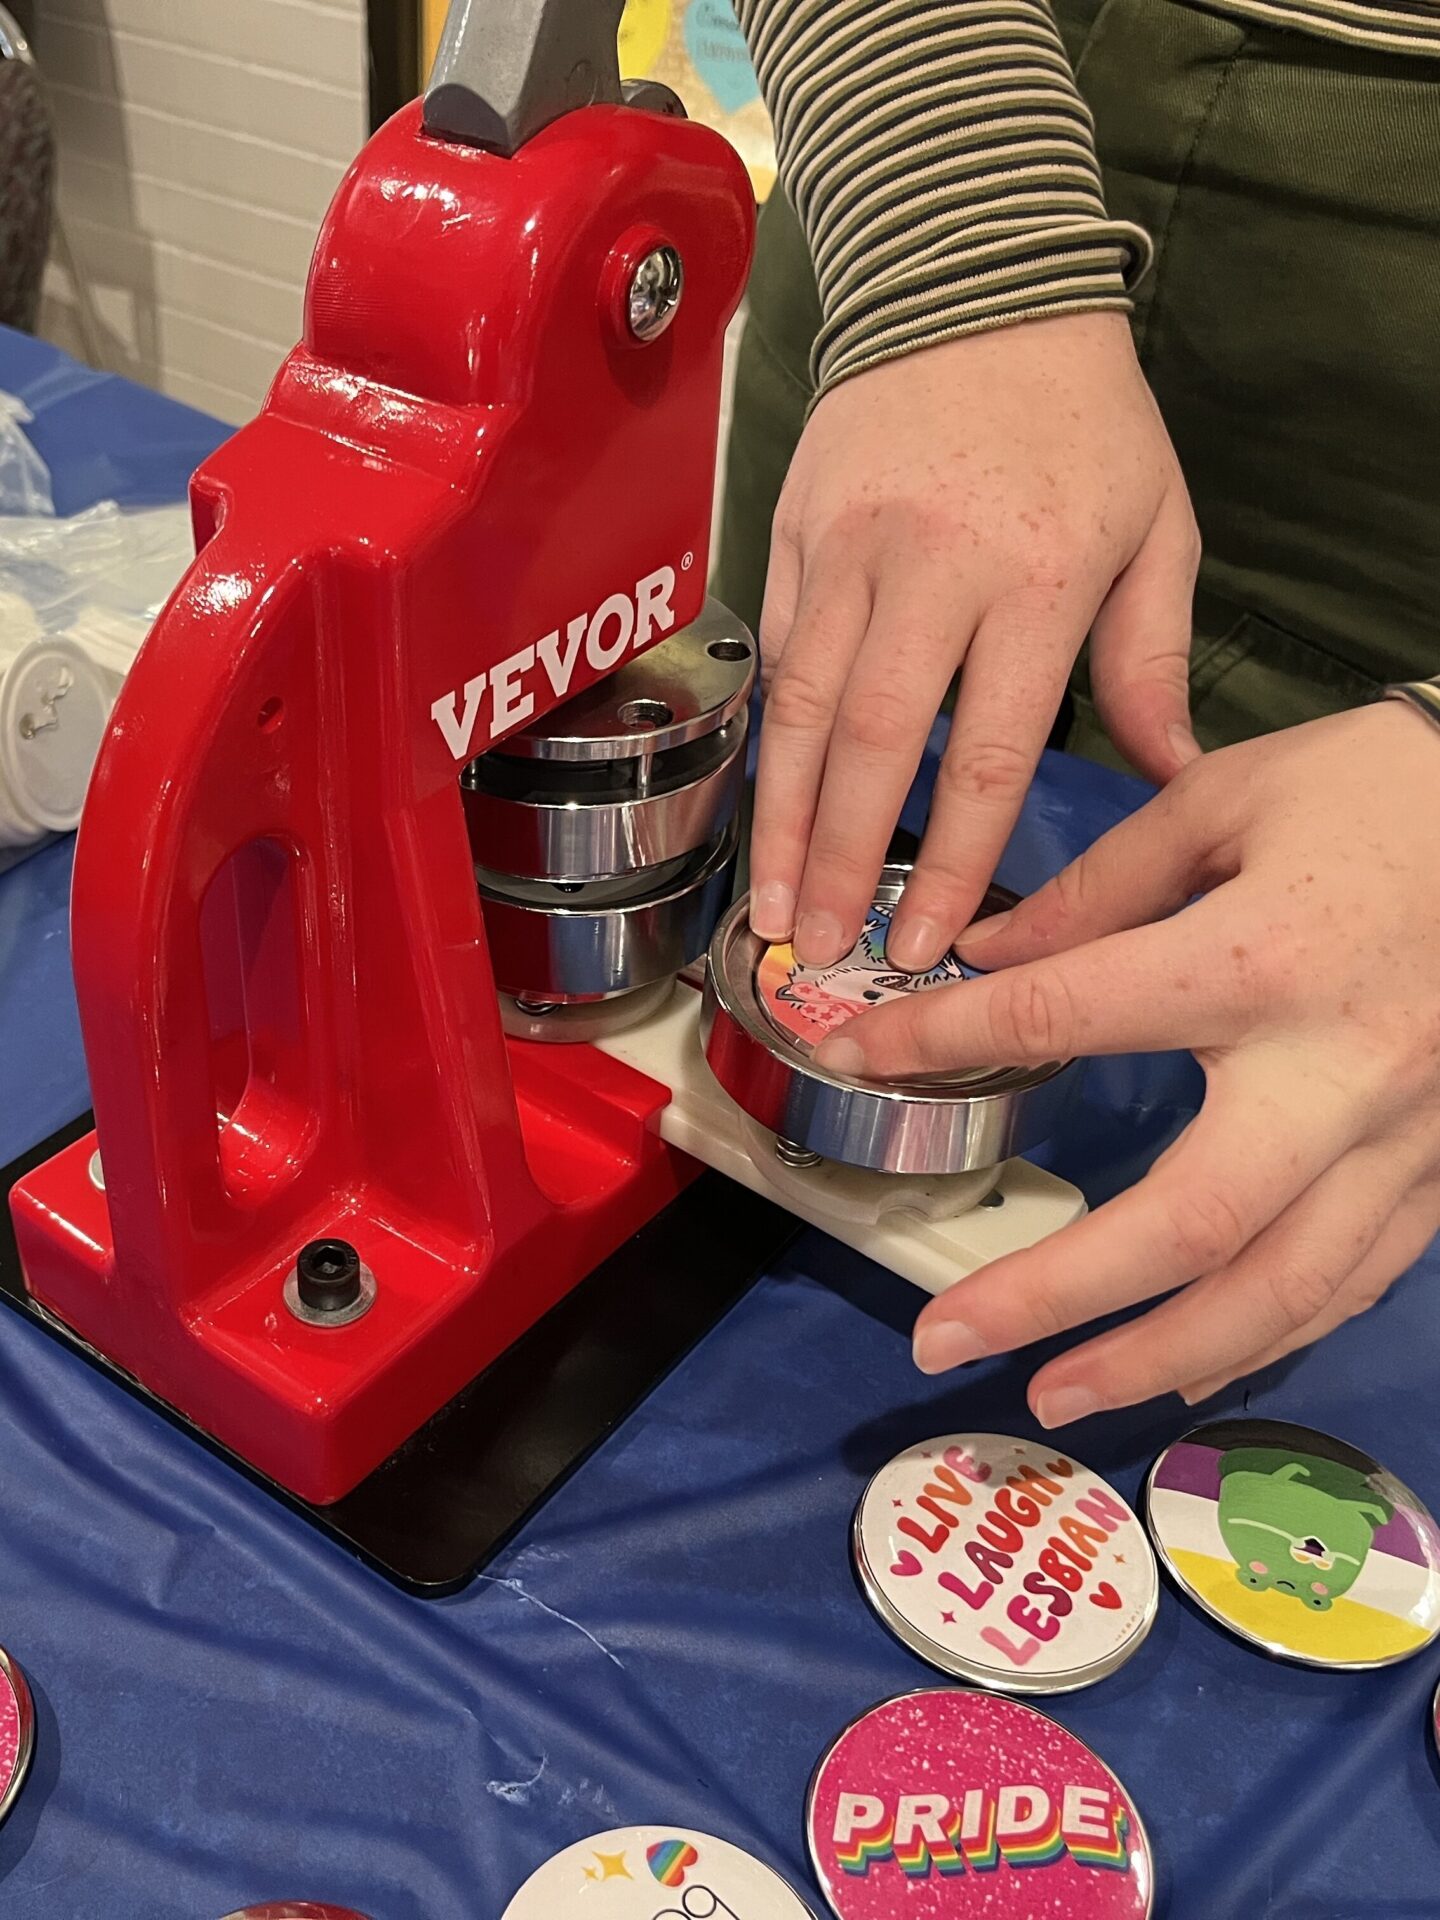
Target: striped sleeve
x=942, y=165
x=1424, y=694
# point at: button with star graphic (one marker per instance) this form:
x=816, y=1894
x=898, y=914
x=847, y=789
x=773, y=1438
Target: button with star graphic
x=1005, y=1562
x=949, y=1802
x=1297, y=1542
x=655, y=1873
x=17, y=1731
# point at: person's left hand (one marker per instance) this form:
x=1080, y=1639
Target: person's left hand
x=1306, y=978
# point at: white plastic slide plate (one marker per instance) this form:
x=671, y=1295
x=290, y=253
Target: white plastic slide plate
x=933, y=1253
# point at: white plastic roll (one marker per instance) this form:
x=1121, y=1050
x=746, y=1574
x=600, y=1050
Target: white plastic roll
x=54, y=704
x=111, y=640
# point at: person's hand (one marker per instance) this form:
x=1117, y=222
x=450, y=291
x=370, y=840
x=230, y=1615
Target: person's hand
x=1307, y=980
x=986, y=501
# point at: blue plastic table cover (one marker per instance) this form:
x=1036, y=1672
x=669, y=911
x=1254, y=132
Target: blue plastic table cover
x=231, y=1710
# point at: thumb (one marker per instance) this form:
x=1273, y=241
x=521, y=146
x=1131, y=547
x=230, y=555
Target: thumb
x=1140, y=646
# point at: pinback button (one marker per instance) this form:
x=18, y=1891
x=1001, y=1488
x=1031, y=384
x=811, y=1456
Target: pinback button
x=807, y=1003
x=294, y=1910
x=1005, y=1562
x=1297, y=1542
x=947, y=1803
x=655, y=1873
x=17, y=1731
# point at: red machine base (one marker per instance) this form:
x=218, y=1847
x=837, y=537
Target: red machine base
x=431, y=1516
x=318, y=1408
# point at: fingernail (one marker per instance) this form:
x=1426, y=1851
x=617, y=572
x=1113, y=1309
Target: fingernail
x=1203, y=1390
x=915, y=945
x=1183, y=743
x=772, y=911
x=819, y=940
x=943, y=1344
x=840, y=1056
x=983, y=930
x=1062, y=1405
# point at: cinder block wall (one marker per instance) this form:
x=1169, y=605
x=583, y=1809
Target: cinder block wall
x=200, y=142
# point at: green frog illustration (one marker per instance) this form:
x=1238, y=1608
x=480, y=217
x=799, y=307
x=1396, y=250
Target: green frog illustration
x=1299, y=1525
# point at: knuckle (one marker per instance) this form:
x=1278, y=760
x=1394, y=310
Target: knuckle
x=1298, y=1291
x=1205, y=1227
x=983, y=773
x=1044, y=1310
x=799, y=703
x=880, y=724
x=1268, y=972
x=1031, y=1015
x=1048, y=572
x=838, y=863
x=787, y=523
x=1180, y=790
x=1368, y=1291
x=1068, y=894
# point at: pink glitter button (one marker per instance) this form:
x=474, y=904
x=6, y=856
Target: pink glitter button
x=17, y=1732
x=294, y=1910
x=952, y=1803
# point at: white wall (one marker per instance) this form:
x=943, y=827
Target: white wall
x=200, y=142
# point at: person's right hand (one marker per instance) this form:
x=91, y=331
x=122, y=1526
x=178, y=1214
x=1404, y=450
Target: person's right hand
x=984, y=502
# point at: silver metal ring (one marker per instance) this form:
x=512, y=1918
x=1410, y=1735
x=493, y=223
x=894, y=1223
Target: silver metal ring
x=700, y=677
x=606, y=938
x=953, y=1124
x=646, y=814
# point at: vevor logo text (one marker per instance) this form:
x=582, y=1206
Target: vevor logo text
x=622, y=624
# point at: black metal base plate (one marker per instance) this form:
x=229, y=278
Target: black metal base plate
x=432, y=1515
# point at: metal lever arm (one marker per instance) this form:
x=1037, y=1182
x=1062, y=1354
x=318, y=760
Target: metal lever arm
x=507, y=68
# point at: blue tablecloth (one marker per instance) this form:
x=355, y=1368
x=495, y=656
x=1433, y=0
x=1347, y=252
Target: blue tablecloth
x=229, y=1709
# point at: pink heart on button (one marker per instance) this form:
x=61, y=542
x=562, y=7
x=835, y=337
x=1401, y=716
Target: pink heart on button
x=907, y=1563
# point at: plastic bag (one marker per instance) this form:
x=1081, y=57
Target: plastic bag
x=24, y=476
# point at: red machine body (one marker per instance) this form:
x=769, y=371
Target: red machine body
x=469, y=493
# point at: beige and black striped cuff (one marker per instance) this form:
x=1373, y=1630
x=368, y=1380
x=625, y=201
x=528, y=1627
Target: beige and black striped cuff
x=1424, y=694
x=942, y=165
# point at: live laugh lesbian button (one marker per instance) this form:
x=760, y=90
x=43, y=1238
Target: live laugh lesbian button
x=1005, y=1562
x=947, y=1803
x=654, y=1873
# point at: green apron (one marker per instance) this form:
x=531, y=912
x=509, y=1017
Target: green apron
x=1290, y=330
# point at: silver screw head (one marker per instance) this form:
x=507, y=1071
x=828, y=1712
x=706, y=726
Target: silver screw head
x=655, y=290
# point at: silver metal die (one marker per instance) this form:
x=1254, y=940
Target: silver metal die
x=605, y=835
x=933, y=1125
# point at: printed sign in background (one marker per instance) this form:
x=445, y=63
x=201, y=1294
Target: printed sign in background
x=696, y=47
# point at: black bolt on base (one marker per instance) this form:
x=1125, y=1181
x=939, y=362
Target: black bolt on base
x=327, y=1276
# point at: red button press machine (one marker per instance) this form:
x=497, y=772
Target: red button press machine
x=424, y=790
